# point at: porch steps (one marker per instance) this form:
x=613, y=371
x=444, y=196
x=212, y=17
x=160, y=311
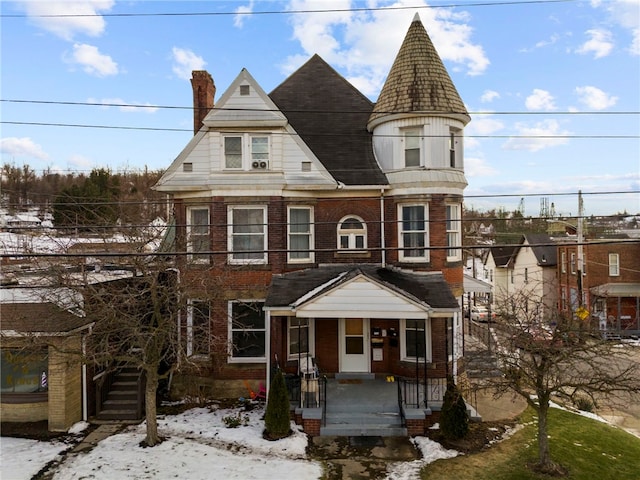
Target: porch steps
x=362, y=407
x=122, y=399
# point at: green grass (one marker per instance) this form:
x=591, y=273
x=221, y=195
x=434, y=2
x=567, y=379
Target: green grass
x=587, y=448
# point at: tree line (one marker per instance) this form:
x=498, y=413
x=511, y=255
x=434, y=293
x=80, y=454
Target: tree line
x=83, y=201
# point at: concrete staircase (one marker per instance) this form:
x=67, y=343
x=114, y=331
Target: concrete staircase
x=481, y=364
x=359, y=405
x=122, y=399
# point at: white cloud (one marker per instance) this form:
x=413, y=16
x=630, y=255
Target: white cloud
x=22, y=147
x=489, y=96
x=185, y=61
x=125, y=106
x=594, y=98
x=81, y=161
x=533, y=138
x=540, y=100
x=626, y=14
x=600, y=43
x=86, y=19
x=365, y=43
x=242, y=14
x=481, y=125
x=92, y=61
x=478, y=167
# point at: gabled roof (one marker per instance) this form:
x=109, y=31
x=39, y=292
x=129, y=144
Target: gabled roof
x=418, y=82
x=39, y=318
x=502, y=254
x=289, y=288
x=543, y=248
x=330, y=115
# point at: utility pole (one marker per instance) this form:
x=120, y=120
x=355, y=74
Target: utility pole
x=580, y=249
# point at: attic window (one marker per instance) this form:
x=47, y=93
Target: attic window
x=187, y=167
x=306, y=166
x=244, y=90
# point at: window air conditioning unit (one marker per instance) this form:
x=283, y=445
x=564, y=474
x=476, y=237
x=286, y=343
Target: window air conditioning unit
x=259, y=165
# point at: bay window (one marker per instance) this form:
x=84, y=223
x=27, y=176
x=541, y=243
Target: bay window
x=412, y=139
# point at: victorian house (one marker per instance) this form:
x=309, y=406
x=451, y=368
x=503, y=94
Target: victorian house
x=332, y=226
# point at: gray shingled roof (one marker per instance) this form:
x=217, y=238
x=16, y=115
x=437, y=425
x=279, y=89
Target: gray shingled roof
x=431, y=289
x=330, y=115
x=418, y=80
x=502, y=254
x=44, y=318
x=544, y=248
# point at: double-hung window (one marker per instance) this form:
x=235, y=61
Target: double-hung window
x=352, y=234
x=614, y=264
x=198, y=233
x=563, y=262
x=415, y=341
x=247, y=231
x=300, y=337
x=198, y=333
x=247, y=331
x=412, y=139
x=573, y=263
x=246, y=152
x=454, y=233
x=300, y=238
x=414, y=233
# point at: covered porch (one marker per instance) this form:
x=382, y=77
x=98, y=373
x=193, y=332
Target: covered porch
x=363, y=349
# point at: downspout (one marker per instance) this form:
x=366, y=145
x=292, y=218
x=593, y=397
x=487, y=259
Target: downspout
x=85, y=414
x=383, y=252
x=267, y=342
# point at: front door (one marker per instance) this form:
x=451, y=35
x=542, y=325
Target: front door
x=354, y=345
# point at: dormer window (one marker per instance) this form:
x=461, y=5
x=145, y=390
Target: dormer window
x=246, y=152
x=352, y=233
x=412, y=139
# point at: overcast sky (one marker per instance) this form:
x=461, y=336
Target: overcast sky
x=552, y=86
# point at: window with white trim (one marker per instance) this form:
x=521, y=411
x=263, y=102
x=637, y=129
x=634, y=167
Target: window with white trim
x=412, y=139
x=246, y=152
x=198, y=233
x=198, y=323
x=454, y=232
x=300, y=234
x=563, y=262
x=573, y=263
x=300, y=337
x=413, y=231
x=247, y=232
x=247, y=331
x=453, y=144
x=415, y=340
x=352, y=233
x=614, y=264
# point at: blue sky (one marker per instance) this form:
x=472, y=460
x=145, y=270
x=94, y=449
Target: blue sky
x=555, y=70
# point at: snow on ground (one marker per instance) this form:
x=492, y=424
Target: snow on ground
x=198, y=445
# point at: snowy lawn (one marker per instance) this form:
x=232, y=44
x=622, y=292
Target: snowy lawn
x=198, y=445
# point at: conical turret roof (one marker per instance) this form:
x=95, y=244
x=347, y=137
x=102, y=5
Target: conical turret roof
x=418, y=82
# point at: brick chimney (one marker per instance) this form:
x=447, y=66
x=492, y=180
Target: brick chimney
x=204, y=91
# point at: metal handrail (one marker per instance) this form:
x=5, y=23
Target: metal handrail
x=403, y=417
x=323, y=399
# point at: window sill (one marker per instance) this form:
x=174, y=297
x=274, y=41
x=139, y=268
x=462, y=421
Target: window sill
x=352, y=254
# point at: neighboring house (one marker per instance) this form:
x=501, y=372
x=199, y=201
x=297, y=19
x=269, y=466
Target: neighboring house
x=500, y=273
x=42, y=373
x=534, y=272
x=334, y=226
x=610, y=283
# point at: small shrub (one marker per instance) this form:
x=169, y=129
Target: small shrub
x=234, y=421
x=584, y=404
x=277, y=422
x=454, y=420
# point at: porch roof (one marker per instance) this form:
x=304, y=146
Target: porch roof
x=47, y=319
x=617, y=290
x=475, y=285
x=293, y=289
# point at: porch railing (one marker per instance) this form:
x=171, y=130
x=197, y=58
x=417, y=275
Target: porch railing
x=418, y=394
x=403, y=417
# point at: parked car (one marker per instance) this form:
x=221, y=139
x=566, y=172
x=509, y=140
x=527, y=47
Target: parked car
x=480, y=313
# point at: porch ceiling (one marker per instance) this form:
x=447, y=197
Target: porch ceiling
x=617, y=290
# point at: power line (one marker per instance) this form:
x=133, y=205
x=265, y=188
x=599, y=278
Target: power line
x=331, y=111
x=285, y=12
x=166, y=129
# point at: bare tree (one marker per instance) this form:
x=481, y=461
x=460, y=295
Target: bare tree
x=546, y=356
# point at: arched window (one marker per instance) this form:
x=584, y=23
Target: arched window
x=352, y=233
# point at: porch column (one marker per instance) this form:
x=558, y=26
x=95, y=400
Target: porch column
x=267, y=348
